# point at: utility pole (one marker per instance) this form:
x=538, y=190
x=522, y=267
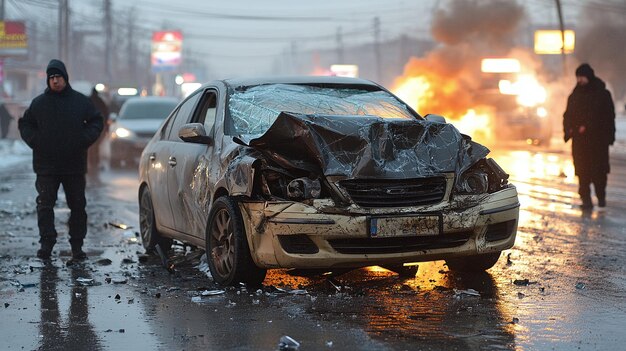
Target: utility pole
x=340, y=57
x=66, y=30
x=64, y=13
x=108, y=47
x=377, y=48
x=562, y=28
x=1, y=58
x=132, y=55
x=60, y=29
x=294, y=57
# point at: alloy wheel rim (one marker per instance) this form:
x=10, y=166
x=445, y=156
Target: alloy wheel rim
x=145, y=218
x=222, y=246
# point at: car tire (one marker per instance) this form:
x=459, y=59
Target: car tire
x=150, y=236
x=478, y=263
x=227, y=248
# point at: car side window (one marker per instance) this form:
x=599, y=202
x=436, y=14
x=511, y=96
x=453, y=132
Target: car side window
x=207, y=110
x=183, y=116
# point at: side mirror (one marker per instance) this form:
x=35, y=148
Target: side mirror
x=194, y=133
x=435, y=118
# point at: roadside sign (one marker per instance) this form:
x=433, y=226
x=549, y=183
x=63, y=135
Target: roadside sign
x=13, y=39
x=166, y=50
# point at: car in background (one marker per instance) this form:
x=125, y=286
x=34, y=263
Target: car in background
x=320, y=173
x=138, y=120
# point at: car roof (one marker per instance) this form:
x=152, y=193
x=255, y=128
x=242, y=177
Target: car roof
x=150, y=99
x=252, y=81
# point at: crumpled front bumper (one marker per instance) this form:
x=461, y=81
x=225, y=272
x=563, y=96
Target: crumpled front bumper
x=285, y=234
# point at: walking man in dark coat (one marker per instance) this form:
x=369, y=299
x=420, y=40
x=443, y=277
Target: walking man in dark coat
x=589, y=121
x=93, y=155
x=59, y=126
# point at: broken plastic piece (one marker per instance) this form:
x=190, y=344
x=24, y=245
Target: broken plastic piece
x=84, y=281
x=212, y=292
x=119, y=225
x=465, y=293
x=288, y=343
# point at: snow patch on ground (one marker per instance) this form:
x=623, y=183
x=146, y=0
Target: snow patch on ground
x=13, y=152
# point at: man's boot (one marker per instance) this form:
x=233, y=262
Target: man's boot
x=46, y=249
x=587, y=204
x=77, y=250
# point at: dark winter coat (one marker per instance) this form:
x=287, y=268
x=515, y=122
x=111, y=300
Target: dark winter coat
x=60, y=127
x=591, y=106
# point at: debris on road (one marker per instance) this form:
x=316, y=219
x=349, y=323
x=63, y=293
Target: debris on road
x=298, y=292
x=288, y=343
x=119, y=225
x=212, y=292
x=119, y=280
x=85, y=281
x=580, y=285
x=466, y=293
x=523, y=282
x=104, y=262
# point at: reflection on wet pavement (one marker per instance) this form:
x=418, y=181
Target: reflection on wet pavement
x=74, y=332
x=562, y=286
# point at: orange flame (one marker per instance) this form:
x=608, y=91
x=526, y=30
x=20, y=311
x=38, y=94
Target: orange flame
x=432, y=89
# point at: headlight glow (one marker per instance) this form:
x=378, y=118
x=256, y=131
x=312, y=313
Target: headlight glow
x=121, y=133
x=542, y=112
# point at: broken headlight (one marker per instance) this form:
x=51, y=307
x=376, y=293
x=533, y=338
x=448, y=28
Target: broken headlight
x=485, y=176
x=278, y=183
x=304, y=188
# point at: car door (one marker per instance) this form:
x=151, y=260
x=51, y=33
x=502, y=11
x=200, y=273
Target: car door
x=157, y=154
x=189, y=186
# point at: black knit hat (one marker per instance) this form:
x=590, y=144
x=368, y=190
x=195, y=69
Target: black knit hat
x=585, y=70
x=56, y=67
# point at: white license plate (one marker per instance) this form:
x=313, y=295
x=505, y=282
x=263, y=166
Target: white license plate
x=386, y=227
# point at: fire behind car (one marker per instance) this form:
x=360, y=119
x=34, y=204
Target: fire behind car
x=138, y=120
x=320, y=173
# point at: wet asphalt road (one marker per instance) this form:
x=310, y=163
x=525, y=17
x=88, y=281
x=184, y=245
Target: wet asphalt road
x=562, y=287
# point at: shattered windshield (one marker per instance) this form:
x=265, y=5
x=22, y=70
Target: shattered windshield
x=254, y=110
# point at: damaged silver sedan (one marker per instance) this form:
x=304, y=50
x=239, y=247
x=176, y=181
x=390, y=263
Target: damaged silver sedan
x=320, y=173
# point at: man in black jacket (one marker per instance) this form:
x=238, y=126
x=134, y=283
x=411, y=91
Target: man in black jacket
x=59, y=126
x=589, y=121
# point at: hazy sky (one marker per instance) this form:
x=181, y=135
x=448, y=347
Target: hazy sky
x=243, y=37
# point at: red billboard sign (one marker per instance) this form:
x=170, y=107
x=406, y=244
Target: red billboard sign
x=166, y=50
x=13, y=39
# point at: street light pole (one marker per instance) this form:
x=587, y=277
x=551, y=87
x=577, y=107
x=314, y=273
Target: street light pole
x=562, y=28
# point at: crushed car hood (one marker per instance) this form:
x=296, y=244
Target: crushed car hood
x=365, y=146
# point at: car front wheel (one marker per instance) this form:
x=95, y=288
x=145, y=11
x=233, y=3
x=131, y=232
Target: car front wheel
x=227, y=246
x=150, y=237
x=478, y=263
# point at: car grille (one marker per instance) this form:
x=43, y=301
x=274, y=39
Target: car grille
x=395, y=192
x=365, y=246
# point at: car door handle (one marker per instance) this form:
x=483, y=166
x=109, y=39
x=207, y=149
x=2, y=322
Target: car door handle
x=152, y=157
x=172, y=161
